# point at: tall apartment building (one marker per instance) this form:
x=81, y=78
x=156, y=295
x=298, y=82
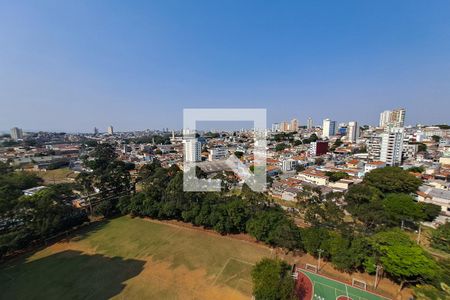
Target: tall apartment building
x=318, y=148
x=275, y=127
x=385, y=118
x=352, y=131
x=394, y=118
x=328, y=128
x=392, y=146
x=192, y=150
x=110, y=130
x=16, y=133
x=374, y=147
x=398, y=117
x=309, y=123
x=294, y=125
x=284, y=126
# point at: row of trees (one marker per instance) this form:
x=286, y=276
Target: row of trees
x=28, y=219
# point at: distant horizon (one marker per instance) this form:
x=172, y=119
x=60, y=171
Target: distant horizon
x=180, y=129
x=73, y=66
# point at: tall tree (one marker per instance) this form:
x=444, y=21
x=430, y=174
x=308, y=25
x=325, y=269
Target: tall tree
x=392, y=180
x=272, y=280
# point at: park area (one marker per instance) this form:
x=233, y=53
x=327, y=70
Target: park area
x=311, y=286
x=128, y=258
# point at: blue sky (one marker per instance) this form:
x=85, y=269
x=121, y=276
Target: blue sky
x=73, y=65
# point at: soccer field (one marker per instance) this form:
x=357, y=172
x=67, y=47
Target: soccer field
x=315, y=287
x=127, y=258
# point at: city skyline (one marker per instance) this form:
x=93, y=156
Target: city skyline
x=74, y=66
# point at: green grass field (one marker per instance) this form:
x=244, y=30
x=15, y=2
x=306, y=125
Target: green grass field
x=129, y=258
x=328, y=289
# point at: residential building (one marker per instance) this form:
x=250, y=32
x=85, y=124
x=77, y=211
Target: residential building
x=217, y=153
x=16, y=134
x=373, y=144
x=398, y=117
x=275, y=127
x=318, y=148
x=309, y=123
x=192, y=150
x=284, y=126
x=352, y=131
x=385, y=118
x=435, y=196
x=392, y=146
x=294, y=125
x=409, y=150
x=374, y=165
x=111, y=130
x=394, y=118
x=313, y=176
x=328, y=128
x=288, y=165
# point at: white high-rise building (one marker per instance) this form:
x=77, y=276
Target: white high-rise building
x=385, y=118
x=110, y=130
x=192, y=150
x=328, y=128
x=275, y=127
x=352, y=131
x=394, y=118
x=16, y=133
x=309, y=124
x=398, y=117
x=392, y=146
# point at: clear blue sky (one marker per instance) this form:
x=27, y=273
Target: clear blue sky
x=73, y=65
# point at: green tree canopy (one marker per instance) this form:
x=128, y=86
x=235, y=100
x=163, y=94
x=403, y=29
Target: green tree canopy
x=401, y=258
x=402, y=207
x=440, y=238
x=272, y=280
x=392, y=180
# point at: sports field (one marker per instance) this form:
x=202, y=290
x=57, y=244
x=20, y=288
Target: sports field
x=129, y=258
x=312, y=286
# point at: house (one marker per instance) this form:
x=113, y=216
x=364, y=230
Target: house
x=373, y=165
x=313, y=176
x=290, y=194
x=435, y=196
x=354, y=164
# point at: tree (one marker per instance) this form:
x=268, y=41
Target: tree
x=392, y=180
x=109, y=175
x=402, y=207
x=422, y=147
x=299, y=168
x=364, y=202
x=280, y=147
x=315, y=238
x=401, y=258
x=319, y=161
x=430, y=211
x=440, y=239
x=416, y=170
x=5, y=168
x=336, y=176
x=436, y=138
x=272, y=280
